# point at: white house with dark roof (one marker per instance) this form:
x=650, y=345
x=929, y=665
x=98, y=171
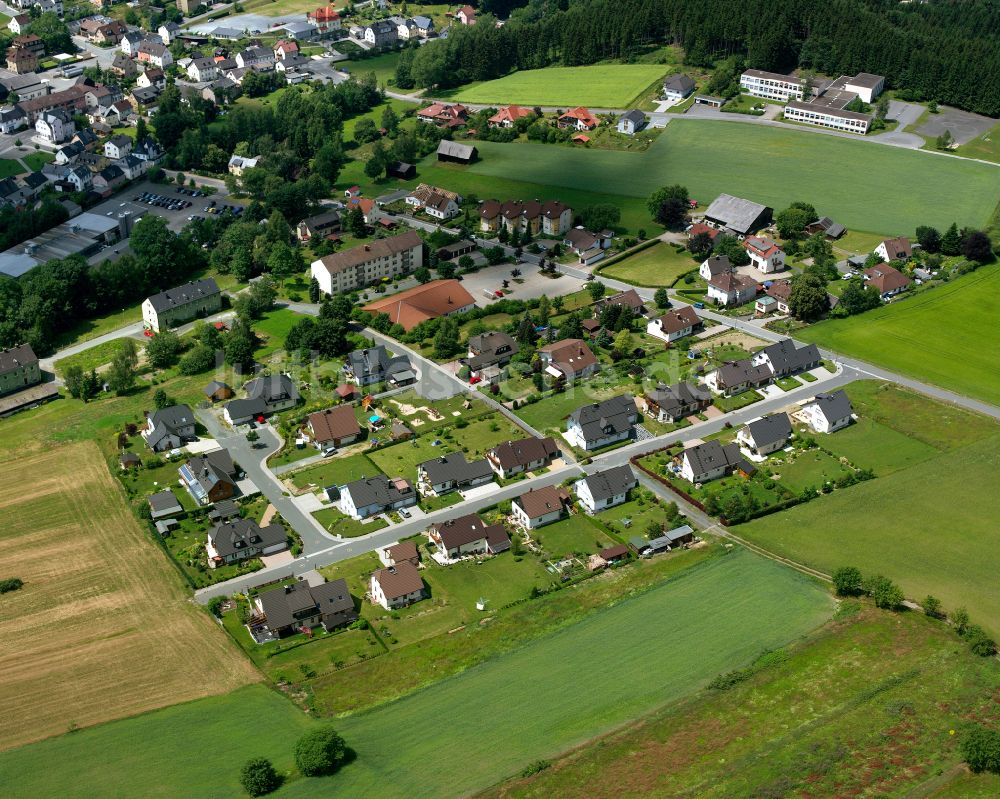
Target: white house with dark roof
x=601, y=424
x=467, y=536
x=760, y=437
x=783, y=358
x=715, y=265
x=678, y=87
x=765, y=254
x=828, y=412
x=397, y=586
x=451, y=472
x=631, y=122
x=675, y=324
x=673, y=403
x=377, y=494
x=168, y=428
x=605, y=489
x=524, y=455
x=709, y=461
x=241, y=539
x=182, y=304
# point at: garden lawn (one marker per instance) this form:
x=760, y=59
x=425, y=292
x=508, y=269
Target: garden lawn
x=272, y=328
x=10, y=167
x=576, y=535
x=335, y=471
x=603, y=86
x=944, y=336
x=769, y=165
x=95, y=357
x=340, y=524
x=810, y=469
x=538, y=700
x=871, y=445
x=36, y=161
x=659, y=265
x=550, y=412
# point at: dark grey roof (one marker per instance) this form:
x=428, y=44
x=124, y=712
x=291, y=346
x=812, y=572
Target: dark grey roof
x=243, y=408
x=523, y=451
x=742, y=371
x=16, y=357
x=174, y=417
x=164, y=501
x=678, y=533
x=833, y=229
x=283, y=606
x=836, y=405
x=770, y=429
x=718, y=265
x=272, y=389
x=679, y=83
x=711, y=455
x=610, y=417
x=490, y=348
x=210, y=469
x=182, y=295
x=229, y=538
x=674, y=399
x=454, y=468
x=455, y=150
x=610, y=483
x=735, y=212
x=326, y=219
x=785, y=357
x=214, y=386
x=635, y=116
x=376, y=362
x=378, y=490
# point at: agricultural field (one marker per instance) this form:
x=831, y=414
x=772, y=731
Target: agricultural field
x=604, y=86
x=659, y=265
x=769, y=165
x=927, y=521
x=863, y=708
x=734, y=607
x=960, y=355
x=99, y=605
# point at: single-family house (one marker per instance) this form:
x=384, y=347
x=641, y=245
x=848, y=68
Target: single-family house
x=629, y=299
x=326, y=19
x=168, y=31
x=888, y=280
x=12, y=118
x=375, y=365
x=678, y=87
x=18, y=369
x=784, y=359
x=19, y=24
x=765, y=435
x=437, y=203
x=81, y=178
x=506, y=117
x=709, y=461
x=512, y=458
x=118, y=146
x=539, y=506
x=255, y=57
x=265, y=395
x=893, y=250
x=828, y=412
x=319, y=226
x=129, y=43
x=715, y=265
x=570, y=358
x=444, y=115
x=600, y=424
x=381, y=33
x=673, y=403
x=731, y=288
x=163, y=505
x=202, y=70
x=605, y=489
x=397, y=586
x=238, y=164
x=147, y=150
x=781, y=292
x=631, y=122
x=68, y=153
x=242, y=539
x=738, y=376
x=578, y=118
x=468, y=535
x=210, y=477
x=335, y=427
x=765, y=255
x=466, y=15
x=493, y=348
x=451, y=472
x=132, y=168
x=169, y=428
x=370, y=496
x=675, y=324
x=287, y=609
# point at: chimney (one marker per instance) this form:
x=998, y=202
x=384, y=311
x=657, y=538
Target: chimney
x=288, y=589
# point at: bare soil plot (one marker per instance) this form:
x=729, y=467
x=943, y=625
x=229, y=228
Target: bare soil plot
x=102, y=628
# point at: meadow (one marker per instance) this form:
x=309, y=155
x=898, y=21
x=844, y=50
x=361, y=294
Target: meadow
x=604, y=86
x=771, y=166
x=944, y=336
x=659, y=265
x=102, y=627
x=927, y=521
x=861, y=709
x=538, y=700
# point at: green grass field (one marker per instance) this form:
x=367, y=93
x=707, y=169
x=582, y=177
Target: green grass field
x=862, y=709
x=944, y=336
x=771, y=166
x=36, y=161
x=537, y=700
x=927, y=521
x=383, y=66
x=604, y=86
x=659, y=265
x=9, y=167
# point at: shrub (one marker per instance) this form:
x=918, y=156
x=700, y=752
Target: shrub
x=320, y=751
x=932, y=606
x=886, y=594
x=847, y=581
x=960, y=620
x=10, y=584
x=258, y=776
x=981, y=749
x=979, y=642
x=215, y=606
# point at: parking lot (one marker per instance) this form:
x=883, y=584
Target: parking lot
x=531, y=283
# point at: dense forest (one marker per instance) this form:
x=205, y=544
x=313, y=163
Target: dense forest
x=948, y=52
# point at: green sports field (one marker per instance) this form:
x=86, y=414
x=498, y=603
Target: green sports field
x=605, y=86
x=844, y=179
x=946, y=336
x=927, y=521
x=491, y=720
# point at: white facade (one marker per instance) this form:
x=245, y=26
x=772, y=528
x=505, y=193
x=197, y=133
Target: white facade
x=52, y=128
x=828, y=117
x=654, y=327
x=521, y=517
x=814, y=416
x=767, y=257
x=367, y=272
x=582, y=490
x=379, y=597
x=771, y=86
x=687, y=472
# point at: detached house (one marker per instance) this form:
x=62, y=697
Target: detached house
x=210, y=477
x=451, y=473
x=765, y=435
x=715, y=265
x=382, y=33
x=570, y=358
x=508, y=115
x=731, y=288
x=169, y=428
x=738, y=376
x=578, y=118
x=265, y=396
x=601, y=424
x=674, y=325
x=370, y=496
x=118, y=146
x=764, y=254
x=468, y=535
x=319, y=226
x=466, y=15
x=202, y=70
x=490, y=350
x=444, y=115
x=828, y=413
x=888, y=280
x=605, y=489
x=891, y=250
x=437, y=203
x=631, y=122
x=709, y=461
x=629, y=299
x=784, y=359
x=55, y=126
x=678, y=87
x=673, y=403
x=300, y=606
x=333, y=427
x=512, y=458
x=397, y=586
x=255, y=57
x=539, y=507
x=375, y=365
x=241, y=539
